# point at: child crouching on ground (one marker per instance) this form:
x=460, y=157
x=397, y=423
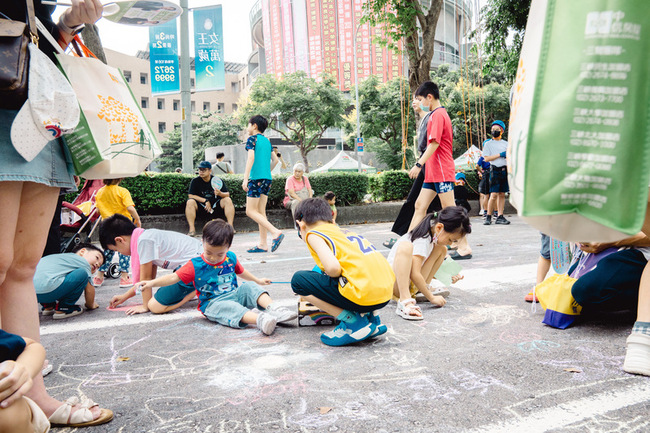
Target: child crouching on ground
x=417, y=256
x=214, y=276
x=60, y=279
x=356, y=278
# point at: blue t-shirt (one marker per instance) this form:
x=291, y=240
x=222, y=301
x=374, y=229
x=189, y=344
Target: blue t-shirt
x=211, y=280
x=11, y=346
x=52, y=270
x=262, y=165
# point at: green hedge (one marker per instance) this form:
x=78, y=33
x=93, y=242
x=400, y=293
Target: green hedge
x=166, y=193
x=390, y=185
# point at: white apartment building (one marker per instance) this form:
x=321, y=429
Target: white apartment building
x=164, y=111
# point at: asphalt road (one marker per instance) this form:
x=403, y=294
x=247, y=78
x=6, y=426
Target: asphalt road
x=482, y=363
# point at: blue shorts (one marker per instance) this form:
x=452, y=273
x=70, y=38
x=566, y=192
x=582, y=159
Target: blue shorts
x=258, y=187
x=439, y=187
x=51, y=167
x=229, y=308
x=545, y=250
x=172, y=295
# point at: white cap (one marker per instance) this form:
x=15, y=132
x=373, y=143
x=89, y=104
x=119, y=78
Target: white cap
x=51, y=109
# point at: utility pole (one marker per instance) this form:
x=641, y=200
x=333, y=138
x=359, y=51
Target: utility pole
x=356, y=91
x=186, y=124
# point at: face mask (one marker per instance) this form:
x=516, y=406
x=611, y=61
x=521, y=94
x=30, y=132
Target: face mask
x=424, y=108
x=496, y=133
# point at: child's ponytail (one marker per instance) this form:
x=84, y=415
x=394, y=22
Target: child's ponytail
x=453, y=219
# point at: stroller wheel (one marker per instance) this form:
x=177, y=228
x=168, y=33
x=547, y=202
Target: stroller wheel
x=114, y=271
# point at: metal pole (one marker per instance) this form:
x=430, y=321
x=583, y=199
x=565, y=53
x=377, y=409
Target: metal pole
x=356, y=91
x=186, y=124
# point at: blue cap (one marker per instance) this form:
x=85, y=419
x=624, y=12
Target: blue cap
x=205, y=164
x=460, y=176
x=500, y=123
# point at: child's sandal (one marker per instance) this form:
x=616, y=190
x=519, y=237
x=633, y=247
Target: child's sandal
x=408, y=310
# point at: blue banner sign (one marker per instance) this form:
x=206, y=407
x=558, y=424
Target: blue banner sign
x=208, y=49
x=163, y=58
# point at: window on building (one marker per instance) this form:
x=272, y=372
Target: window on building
x=234, y=107
x=162, y=127
x=144, y=102
x=206, y=106
x=191, y=82
x=176, y=105
x=234, y=87
x=143, y=78
x=221, y=107
x=127, y=76
x=161, y=104
x=193, y=106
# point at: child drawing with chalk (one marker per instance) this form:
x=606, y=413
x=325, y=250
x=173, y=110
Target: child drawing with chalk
x=418, y=255
x=150, y=250
x=355, y=279
x=214, y=276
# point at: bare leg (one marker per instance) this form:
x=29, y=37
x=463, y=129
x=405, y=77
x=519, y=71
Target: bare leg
x=492, y=203
x=228, y=209
x=333, y=310
x=421, y=205
x=157, y=308
x=447, y=199
x=543, y=266
x=432, y=264
x=402, y=268
x=463, y=247
x=253, y=205
x=26, y=215
x=501, y=202
x=190, y=213
x=264, y=300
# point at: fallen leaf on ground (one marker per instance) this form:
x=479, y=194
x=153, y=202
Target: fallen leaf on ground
x=324, y=410
x=122, y=358
x=573, y=370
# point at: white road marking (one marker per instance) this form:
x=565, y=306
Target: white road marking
x=564, y=414
x=481, y=281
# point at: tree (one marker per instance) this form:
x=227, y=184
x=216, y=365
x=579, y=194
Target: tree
x=298, y=108
x=505, y=24
x=472, y=107
x=211, y=130
x=381, y=119
x=405, y=19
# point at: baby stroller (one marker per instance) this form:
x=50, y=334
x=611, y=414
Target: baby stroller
x=80, y=219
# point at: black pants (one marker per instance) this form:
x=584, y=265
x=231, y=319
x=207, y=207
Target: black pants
x=401, y=225
x=613, y=285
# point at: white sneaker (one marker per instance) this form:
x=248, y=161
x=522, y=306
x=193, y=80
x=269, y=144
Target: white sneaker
x=637, y=357
x=266, y=323
x=281, y=314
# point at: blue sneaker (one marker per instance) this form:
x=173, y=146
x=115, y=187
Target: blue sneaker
x=349, y=333
x=380, y=328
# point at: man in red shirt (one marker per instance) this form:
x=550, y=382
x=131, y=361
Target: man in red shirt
x=440, y=170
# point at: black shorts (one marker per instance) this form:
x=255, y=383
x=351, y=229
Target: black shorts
x=484, y=184
x=499, y=179
x=217, y=211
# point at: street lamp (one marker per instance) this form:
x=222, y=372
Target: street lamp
x=356, y=91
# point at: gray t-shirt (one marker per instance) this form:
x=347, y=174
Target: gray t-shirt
x=166, y=249
x=221, y=167
x=495, y=147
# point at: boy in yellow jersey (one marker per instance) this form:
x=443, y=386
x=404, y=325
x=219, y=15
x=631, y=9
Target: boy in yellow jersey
x=355, y=279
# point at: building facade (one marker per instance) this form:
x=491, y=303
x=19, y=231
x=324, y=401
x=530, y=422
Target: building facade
x=319, y=36
x=165, y=111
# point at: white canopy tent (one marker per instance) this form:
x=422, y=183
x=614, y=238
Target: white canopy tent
x=344, y=162
x=467, y=161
